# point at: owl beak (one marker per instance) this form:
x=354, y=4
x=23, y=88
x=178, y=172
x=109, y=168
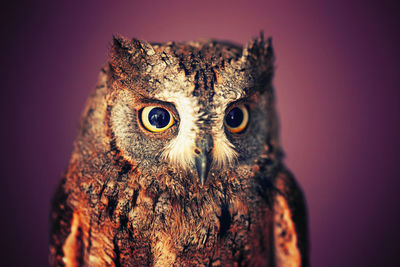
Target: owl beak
x=203, y=158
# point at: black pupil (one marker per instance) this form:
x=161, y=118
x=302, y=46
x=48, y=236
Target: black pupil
x=159, y=117
x=234, y=118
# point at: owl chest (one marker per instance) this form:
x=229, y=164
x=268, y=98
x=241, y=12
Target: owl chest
x=188, y=233
x=165, y=231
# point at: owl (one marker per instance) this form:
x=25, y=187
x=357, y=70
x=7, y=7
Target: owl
x=177, y=163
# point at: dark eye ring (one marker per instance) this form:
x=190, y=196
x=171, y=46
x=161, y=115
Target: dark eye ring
x=156, y=118
x=237, y=119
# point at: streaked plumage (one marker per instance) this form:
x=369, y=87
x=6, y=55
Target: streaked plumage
x=161, y=176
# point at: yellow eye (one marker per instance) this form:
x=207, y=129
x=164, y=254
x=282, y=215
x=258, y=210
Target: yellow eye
x=156, y=119
x=237, y=119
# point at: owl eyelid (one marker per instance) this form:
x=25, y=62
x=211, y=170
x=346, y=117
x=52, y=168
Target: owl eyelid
x=242, y=101
x=158, y=103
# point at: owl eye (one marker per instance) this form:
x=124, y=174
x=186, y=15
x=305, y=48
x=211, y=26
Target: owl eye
x=156, y=119
x=237, y=118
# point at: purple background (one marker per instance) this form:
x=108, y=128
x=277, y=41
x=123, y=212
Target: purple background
x=337, y=87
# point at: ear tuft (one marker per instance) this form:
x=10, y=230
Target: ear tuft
x=128, y=58
x=258, y=55
x=259, y=50
x=123, y=46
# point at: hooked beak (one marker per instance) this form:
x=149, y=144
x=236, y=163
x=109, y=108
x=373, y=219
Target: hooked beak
x=203, y=158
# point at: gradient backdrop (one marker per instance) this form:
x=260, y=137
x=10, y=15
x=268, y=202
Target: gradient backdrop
x=337, y=84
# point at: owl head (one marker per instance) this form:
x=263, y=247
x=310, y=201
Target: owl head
x=199, y=108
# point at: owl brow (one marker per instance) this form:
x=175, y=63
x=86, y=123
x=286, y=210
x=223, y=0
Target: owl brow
x=243, y=100
x=148, y=100
x=167, y=105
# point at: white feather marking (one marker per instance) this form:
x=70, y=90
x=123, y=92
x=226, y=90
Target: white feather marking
x=180, y=150
x=224, y=151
